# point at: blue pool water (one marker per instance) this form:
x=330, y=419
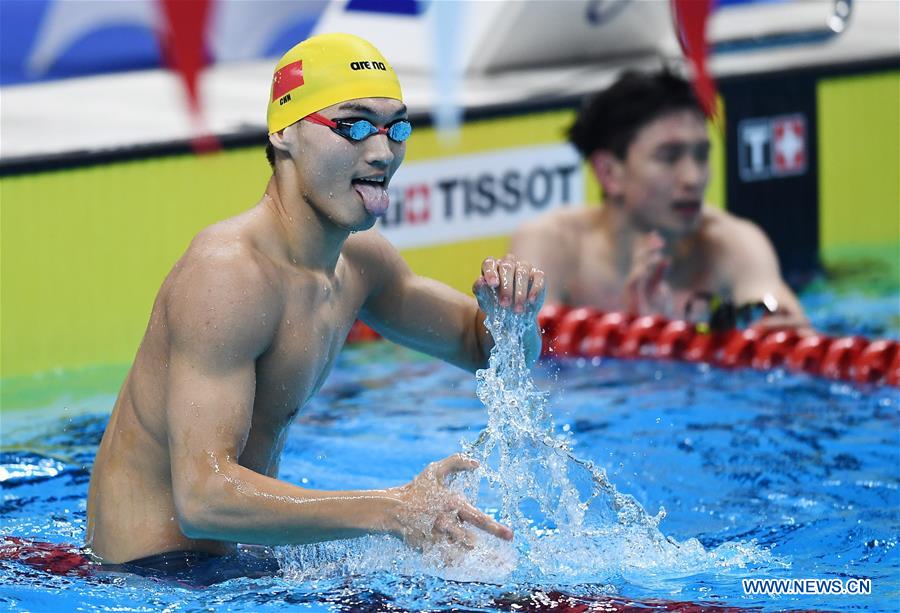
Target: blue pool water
x=797, y=477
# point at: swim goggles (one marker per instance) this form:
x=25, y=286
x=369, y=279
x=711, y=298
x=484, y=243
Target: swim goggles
x=726, y=315
x=361, y=129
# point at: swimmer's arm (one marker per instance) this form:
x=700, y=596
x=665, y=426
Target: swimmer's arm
x=426, y=315
x=429, y=316
x=220, y=321
x=752, y=268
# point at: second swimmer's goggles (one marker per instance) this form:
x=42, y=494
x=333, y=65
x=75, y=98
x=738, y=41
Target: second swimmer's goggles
x=361, y=129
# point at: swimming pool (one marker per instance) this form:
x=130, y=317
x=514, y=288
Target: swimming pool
x=799, y=474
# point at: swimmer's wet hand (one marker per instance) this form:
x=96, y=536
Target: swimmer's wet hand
x=430, y=513
x=512, y=284
x=516, y=283
x=647, y=291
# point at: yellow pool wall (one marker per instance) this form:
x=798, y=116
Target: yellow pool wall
x=85, y=249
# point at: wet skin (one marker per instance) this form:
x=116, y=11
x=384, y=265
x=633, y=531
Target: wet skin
x=245, y=329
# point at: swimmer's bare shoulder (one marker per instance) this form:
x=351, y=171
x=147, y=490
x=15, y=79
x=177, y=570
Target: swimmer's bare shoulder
x=561, y=223
x=746, y=266
x=733, y=241
x=553, y=242
x=373, y=255
x=558, y=232
x=383, y=273
x=224, y=292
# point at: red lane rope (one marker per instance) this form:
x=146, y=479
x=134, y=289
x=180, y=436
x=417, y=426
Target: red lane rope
x=586, y=332
x=589, y=333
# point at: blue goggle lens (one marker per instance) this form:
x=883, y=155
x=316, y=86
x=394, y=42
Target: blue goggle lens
x=399, y=131
x=359, y=130
x=362, y=129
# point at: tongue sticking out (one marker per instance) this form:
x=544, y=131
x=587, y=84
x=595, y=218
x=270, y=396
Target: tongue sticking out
x=375, y=197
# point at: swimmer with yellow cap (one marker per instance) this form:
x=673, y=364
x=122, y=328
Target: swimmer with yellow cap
x=316, y=80
x=248, y=323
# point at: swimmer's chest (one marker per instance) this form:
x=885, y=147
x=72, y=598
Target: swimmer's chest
x=601, y=285
x=310, y=335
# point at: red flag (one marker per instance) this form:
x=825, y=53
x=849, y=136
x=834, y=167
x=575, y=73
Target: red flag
x=690, y=24
x=286, y=79
x=184, y=44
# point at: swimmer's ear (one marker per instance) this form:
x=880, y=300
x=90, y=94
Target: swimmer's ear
x=608, y=170
x=278, y=141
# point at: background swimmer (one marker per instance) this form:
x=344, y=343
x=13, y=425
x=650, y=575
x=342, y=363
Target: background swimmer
x=653, y=245
x=247, y=325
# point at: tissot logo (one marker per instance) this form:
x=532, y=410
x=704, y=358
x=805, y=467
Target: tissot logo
x=482, y=195
x=457, y=198
x=772, y=147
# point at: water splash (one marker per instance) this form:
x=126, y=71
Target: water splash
x=546, y=493
x=572, y=525
x=571, y=522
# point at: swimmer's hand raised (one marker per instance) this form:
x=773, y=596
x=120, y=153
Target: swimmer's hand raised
x=515, y=282
x=430, y=513
x=647, y=291
x=516, y=285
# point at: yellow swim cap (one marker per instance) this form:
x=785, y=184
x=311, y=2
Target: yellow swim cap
x=324, y=70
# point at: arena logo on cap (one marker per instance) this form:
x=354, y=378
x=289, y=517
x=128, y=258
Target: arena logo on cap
x=367, y=65
x=488, y=194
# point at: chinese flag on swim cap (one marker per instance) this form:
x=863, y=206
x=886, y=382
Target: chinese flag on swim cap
x=690, y=26
x=286, y=79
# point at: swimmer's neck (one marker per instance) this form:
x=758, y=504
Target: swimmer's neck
x=308, y=239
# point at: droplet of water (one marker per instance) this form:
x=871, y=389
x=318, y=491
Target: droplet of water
x=571, y=523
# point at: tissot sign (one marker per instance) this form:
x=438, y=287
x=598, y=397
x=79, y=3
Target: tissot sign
x=772, y=147
x=772, y=162
x=490, y=194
